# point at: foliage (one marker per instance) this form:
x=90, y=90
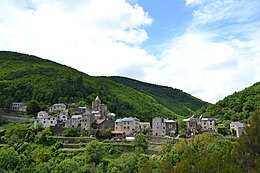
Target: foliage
x=248, y=145
x=3, y=121
x=24, y=78
x=141, y=141
x=33, y=108
x=236, y=107
x=70, y=132
x=174, y=99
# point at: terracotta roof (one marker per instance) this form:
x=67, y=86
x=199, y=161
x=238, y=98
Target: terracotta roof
x=117, y=132
x=100, y=121
x=144, y=123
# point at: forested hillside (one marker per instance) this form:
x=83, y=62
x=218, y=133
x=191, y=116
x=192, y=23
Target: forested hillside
x=173, y=99
x=236, y=107
x=25, y=77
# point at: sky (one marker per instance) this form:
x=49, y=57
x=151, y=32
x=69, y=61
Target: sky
x=207, y=48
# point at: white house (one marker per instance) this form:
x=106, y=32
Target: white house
x=128, y=125
x=238, y=127
x=57, y=107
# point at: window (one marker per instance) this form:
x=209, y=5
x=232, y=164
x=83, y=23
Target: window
x=124, y=127
x=51, y=121
x=44, y=122
x=52, y=118
x=48, y=118
x=163, y=127
x=116, y=127
x=127, y=127
x=127, y=122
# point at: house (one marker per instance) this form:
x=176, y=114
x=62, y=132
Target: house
x=238, y=127
x=143, y=126
x=58, y=107
x=63, y=115
x=162, y=126
x=83, y=122
x=118, y=134
x=17, y=106
x=45, y=119
x=129, y=125
x=207, y=124
x=198, y=125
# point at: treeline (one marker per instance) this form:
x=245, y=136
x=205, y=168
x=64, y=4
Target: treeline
x=173, y=99
x=239, y=106
x=24, y=78
x=32, y=150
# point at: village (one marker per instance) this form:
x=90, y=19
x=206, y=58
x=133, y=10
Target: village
x=99, y=118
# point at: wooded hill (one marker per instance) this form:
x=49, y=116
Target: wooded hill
x=25, y=77
x=236, y=107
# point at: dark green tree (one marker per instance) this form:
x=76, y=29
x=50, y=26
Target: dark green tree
x=33, y=107
x=248, y=146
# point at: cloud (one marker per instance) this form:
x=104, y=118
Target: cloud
x=217, y=55
x=193, y=2
x=96, y=36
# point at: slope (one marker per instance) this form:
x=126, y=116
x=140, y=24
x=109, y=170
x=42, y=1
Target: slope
x=25, y=77
x=236, y=107
x=173, y=99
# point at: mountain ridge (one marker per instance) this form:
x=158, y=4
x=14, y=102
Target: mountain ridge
x=26, y=77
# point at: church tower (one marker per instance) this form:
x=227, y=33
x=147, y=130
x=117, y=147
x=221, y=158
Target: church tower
x=96, y=104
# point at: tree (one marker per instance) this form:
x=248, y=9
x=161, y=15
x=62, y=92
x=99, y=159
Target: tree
x=141, y=141
x=9, y=159
x=33, y=107
x=248, y=146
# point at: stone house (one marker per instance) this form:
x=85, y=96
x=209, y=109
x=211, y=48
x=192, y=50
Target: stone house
x=143, y=126
x=17, y=106
x=45, y=119
x=198, y=125
x=83, y=122
x=162, y=126
x=58, y=107
x=238, y=127
x=129, y=125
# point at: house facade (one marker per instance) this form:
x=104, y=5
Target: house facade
x=17, y=106
x=238, y=127
x=143, y=126
x=45, y=119
x=83, y=122
x=198, y=125
x=58, y=107
x=129, y=125
x=162, y=127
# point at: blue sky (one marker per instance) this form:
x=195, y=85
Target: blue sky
x=208, y=48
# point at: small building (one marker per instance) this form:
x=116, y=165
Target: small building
x=118, y=134
x=45, y=119
x=238, y=127
x=129, y=125
x=83, y=122
x=162, y=126
x=207, y=124
x=143, y=126
x=17, y=106
x=58, y=107
x=198, y=125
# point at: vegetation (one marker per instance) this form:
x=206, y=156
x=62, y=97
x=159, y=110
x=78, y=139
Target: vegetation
x=29, y=150
x=237, y=107
x=24, y=78
x=173, y=99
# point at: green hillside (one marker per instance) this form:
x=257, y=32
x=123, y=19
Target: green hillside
x=236, y=107
x=173, y=99
x=25, y=77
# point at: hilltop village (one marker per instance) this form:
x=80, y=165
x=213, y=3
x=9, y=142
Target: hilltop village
x=99, y=118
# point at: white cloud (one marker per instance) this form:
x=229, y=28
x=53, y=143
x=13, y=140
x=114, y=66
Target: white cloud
x=217, y=55
x=98, y=37
x=193, y=2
